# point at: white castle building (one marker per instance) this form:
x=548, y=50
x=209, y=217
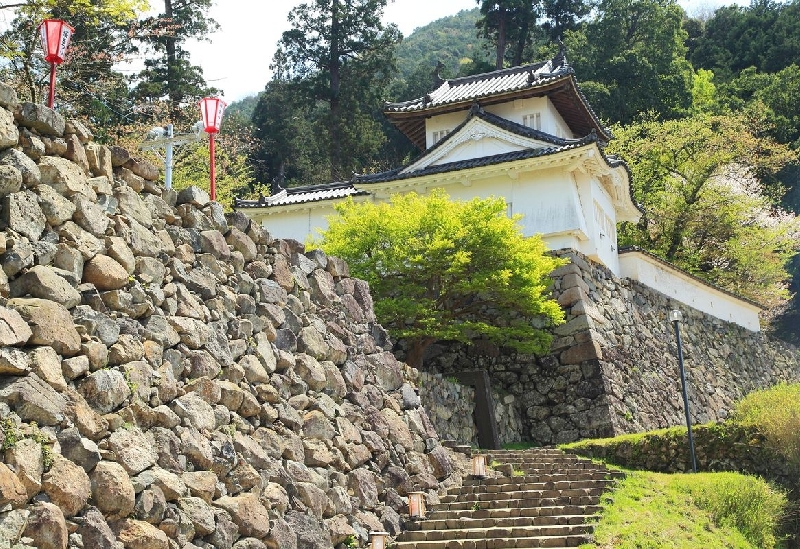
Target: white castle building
x=526, y=134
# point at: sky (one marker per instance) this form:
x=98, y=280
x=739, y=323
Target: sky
x=238, y=57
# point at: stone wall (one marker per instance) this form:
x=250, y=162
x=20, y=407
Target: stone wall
x=613, y=368
x=450, y=407
x=718, y=447
x=171, y=376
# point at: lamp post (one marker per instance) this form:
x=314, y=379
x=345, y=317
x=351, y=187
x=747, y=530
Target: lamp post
x=377, y=540
x=675, y=316
x=212, y=108
x=479, y=466
x=416, y=505
x=55, y=35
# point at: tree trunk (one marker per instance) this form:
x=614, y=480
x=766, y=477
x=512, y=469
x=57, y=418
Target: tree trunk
x=501, y=38
x=522, y=41
x=416, y=350
x=334, y=68
x=172, y=86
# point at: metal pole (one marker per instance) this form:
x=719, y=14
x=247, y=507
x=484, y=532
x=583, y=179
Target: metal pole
x=213, y=167
x=52, y=99
x=685, y=395
x=168, y=159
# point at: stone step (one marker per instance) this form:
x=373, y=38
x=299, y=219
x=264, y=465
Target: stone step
x=499, y=513
x=495, y=532
x=548, y=505
x=525, y=502
x=522, y=494
x=583, y=474
x=499, y=522
x=514, y=485
x=497, y=543
x=541, y=459
x=534, y=468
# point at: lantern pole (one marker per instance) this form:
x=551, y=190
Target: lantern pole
x=52, y=97
x=213, y=167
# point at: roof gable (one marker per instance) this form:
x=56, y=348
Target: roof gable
x=481, y=135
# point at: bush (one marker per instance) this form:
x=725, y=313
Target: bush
x=775, y=412
x=748, y=504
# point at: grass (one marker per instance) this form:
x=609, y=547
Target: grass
x=683, y=511
x=775, y=412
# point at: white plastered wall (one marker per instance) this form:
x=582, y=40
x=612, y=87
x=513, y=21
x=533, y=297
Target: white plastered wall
x=687, y=290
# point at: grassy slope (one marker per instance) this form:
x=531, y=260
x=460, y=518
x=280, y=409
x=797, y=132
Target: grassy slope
x=682, y=511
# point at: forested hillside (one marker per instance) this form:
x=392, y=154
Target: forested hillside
x=704, y=109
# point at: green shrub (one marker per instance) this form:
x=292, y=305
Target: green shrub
x=775, y=412
x=746, y=503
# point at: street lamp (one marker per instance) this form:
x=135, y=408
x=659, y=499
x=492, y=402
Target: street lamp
x=416, y=505
x=212, y=108
x=377, y=540
x=55, y=35
x=675, y=317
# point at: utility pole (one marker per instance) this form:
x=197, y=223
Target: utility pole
x=164, y=138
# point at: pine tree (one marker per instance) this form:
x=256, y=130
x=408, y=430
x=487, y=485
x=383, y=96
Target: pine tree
x=341, y=54
x=169, y=75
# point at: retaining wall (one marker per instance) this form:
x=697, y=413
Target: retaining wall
x=613, y=368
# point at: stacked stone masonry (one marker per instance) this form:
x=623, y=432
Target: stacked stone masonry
x=613, y=367
x=173, y=377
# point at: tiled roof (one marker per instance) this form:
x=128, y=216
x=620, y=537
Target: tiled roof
x=553, y=78
x=474, y=87
x=301, y=195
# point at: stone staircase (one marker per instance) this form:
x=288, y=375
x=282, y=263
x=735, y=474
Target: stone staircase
x=545, y=502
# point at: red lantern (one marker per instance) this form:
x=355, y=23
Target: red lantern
x=55, y=35
x=212, y=108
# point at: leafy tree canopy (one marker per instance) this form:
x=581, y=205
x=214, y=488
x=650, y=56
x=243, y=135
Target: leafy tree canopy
x=701, y=181
x=444, y=270
x=340, y=53
x=764, y=35
x=631, y=58
x=87, y=78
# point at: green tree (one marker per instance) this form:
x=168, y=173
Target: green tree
x=508, y=23
x=288, y=146
x=169, y=75
x=702, y=184
x=88, y=87
x=443, y=270
x=344, y=56
x=631, y=58
x=764, y=35
x=564, y=15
